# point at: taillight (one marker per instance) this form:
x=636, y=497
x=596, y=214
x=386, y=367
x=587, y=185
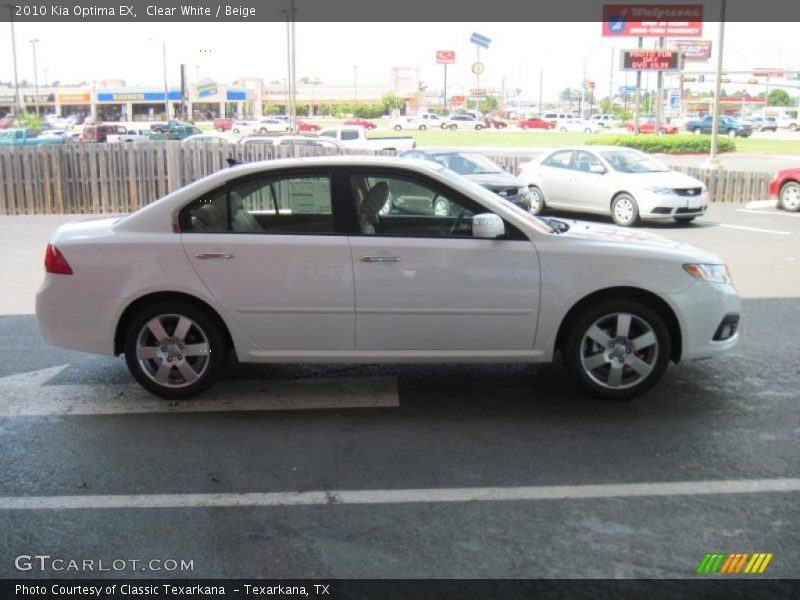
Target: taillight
x=54, y=261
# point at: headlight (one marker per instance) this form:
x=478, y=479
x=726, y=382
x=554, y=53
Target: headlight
x=661, y=190
x=712, y=273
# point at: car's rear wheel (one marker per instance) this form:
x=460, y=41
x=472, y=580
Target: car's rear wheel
x=684, y=220
x=617, y=349
x=697, y=131
x=538, y=205
x=731, y=133
x=587, y=130
x=624, y=210
x=453, y=127
x=235, y=131
x=478, y=126
x=422, y=127
x=662, y=131
x=175, y=350
x=789, y=198
x=221, y=129
x=523, y=126
x=397, y=127
x=563, y=129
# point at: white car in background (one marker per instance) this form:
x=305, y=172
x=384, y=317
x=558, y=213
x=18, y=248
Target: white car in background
x=210, y=137
x=265, y=125
x=612, y=180
x=578, y=125
x=608, y=121
x=291, y=261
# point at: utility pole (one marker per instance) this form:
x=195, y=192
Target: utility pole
x=659, y=90
x=541, y=82
x=166, y=90
x=611, y=81
x=637, y=97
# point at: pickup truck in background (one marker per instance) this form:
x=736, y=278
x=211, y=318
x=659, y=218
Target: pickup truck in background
x=131, y=134
x=175, y=132
x=726, y=125
x=25, y=137
x=354, y=138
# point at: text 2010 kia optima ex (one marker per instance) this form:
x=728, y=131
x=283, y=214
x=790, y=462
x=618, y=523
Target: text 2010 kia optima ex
x=293, y=261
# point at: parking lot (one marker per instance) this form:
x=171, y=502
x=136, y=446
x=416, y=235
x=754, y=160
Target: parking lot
x=415, y=470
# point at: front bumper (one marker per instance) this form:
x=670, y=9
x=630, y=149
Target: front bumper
x=702, y=311
x=668, y=206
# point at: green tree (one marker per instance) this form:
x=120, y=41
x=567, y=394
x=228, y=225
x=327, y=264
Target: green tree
x=391, y=101
x=271, y=109
x=778, y=97
x=566, y=94
x=488, y=104
x=29, y=120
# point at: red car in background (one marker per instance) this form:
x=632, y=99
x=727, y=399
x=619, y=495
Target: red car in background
x=304, y=126
x=649, y=126
x=493, y=123
x=361, y=123
x=223, y=123
x=535, y=123
x=786, y=188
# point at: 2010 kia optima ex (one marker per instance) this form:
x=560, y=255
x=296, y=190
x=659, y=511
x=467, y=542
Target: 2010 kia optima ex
x=294, y=261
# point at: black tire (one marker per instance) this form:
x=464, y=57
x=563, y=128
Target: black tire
x=204, y=329
x=263, y=130
x=397, y=127
x=684, y=220
x=731, y=133
x=523, y=126
x=563, y=129
x=422, y=127
x=697, y=131
x=478, y=127
x=538, y=206
x=453, y=127
x=580, y=348
x=235, y=131
x=621, y=216
x=221, y=129
x=788, y=196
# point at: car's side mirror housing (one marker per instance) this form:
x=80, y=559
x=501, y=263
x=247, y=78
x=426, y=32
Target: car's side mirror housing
x=599, y=169
x=488, y=226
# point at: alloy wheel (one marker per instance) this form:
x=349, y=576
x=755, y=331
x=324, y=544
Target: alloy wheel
x=172, y=350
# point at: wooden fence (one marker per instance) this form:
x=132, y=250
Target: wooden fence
x=118, y=178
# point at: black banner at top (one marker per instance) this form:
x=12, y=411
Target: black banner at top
x=379, y=11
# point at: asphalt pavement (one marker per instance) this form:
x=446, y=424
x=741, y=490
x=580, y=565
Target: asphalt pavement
x=499, y=471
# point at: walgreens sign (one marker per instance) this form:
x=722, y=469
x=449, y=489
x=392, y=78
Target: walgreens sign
x=652, y=20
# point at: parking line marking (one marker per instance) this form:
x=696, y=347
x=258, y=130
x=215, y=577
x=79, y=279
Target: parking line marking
x=758, y=229
x=761, y=204
x=28, y=394
x=403, y=496
x=779, y=213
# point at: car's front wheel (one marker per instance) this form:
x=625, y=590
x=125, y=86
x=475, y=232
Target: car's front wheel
x=175, y=350
x=624, y=210
x=397, y=127
x=697, y=131
x=731, y=133
x=789, y=198
x=617, y=349
x=537, y=200
x=422, y=127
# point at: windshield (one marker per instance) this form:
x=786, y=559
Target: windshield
x=467, y=163
x=626, y=161
x=5, y=135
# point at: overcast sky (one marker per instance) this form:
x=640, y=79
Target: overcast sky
x=72, y=52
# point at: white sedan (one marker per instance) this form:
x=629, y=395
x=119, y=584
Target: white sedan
x=291, y=261
x=265, y=125
x=622, y=182
x=578, y=126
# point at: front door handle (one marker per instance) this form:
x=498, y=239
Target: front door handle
x=372, y=259
x=211, y=255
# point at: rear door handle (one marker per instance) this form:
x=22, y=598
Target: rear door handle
x=211, y=255
x=373, y=259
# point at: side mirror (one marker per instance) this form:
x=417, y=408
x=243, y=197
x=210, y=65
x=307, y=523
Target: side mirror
x=488, y=226
x=599, y=169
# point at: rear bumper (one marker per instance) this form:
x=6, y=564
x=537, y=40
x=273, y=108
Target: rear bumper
x=69, y=318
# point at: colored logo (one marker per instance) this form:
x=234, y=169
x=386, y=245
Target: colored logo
x=616, y=23
x=734, y=563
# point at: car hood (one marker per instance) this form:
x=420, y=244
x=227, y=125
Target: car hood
x=495, y=180
x=636, y=239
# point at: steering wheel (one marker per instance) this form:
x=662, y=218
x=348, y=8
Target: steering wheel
x=457, y=222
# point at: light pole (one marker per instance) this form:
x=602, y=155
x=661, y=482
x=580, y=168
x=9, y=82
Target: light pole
x=713, y=161
x=17, y=106
x=164, y=59
x=35, y=76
